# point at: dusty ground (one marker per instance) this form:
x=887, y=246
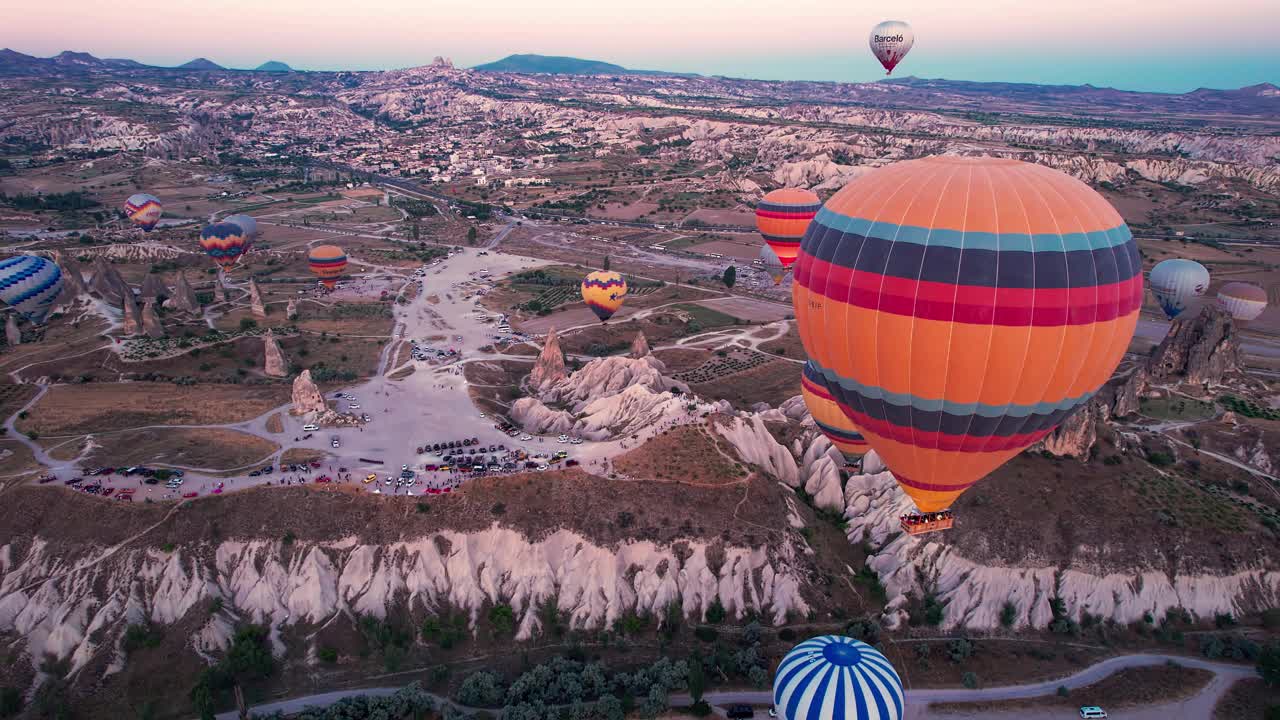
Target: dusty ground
x=93, y=407
x=1126, y=688
x=685, y=454
x=771, y=382
x=1247, y=700
x=212, y=448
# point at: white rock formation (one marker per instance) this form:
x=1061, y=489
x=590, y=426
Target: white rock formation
x=255, y=300
x=549, y=368
x=640, y=346
x=307, y=398
x=755, y=445
x=273, y=363
x=78, y=613
x=820, y=467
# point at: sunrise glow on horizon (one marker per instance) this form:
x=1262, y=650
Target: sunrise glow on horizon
x=1164, y=46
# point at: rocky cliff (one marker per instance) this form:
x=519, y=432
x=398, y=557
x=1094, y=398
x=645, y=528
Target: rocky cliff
x=255, y=300
x=273, y=362
x=550, y=367
x=1200, y=350
x=640, y=346
x=307, y=398
x=153, y=288
x=150, y=320
x=184, y=298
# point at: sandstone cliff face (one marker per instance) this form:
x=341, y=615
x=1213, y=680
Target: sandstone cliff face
x=72, y=277
x=75, y=612
x=550, y=367
x=1200, y=350
x=184, y=298
x=151, y=325
x=639, y=346
x=307, y=398
x=273, y=363
x=153, y=287
x=255, y=300
x=132, y=318
x=106, y=282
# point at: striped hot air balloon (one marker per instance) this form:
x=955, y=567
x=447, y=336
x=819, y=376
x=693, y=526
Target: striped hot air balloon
x=328, y=263
x=1177, y=283
x=224, y=242
x=960, y=308
x=143, y=210
x=29, y=284
x=782, y=217
x=604, y=291
x=1245, y=302
x=828, y=416
x=772, y=264
x=246, y=223
x=831, y=677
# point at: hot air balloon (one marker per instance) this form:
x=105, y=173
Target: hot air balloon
x=828, y=416
x=327, y=262
x=890, y=41
x=143, y=210
x=1177, y=283
x=604, y=291
x=1245, y=302
x=224, y=242
x=772, y=264
x=29, y=284
x=831, y=677
x=960, y=308
x=782, y=217
x=246, y=223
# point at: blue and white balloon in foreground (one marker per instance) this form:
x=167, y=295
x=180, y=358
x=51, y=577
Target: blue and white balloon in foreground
x=837, y=678
x=1177, y=283
x=30, y=284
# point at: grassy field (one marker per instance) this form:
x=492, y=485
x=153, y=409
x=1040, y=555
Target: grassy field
x=212, y=448
x=705, y=316
x=94, y=407
x=1127, y=688
x=1247, y=699
x=684, y=454
x=1176, y=407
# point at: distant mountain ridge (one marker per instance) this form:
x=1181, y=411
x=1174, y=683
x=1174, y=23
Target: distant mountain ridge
x=562, y=65
x=273, y=66
x=200, y=64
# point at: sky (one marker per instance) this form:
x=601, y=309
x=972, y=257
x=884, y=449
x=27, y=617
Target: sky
x=1158, y=45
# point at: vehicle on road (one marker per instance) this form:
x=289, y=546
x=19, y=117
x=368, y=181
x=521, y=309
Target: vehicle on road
x=526, y=438
x=355, y=406
x=1092, y=712
x=309, y=427
x=562, y=439
x=190, y=495
x=370, y=478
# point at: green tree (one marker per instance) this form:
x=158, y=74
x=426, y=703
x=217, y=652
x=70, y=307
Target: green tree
x=730, y=276
x=471, y=235
x=606, y=262
x=1268, y=666
x=697, y=679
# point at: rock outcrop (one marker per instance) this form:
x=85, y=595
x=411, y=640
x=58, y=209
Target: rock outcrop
x=72, y=278
x=12, y=334
x=549, y=368
x=291, y=310
x=750, y=437
x=255, y=300
x=307, y=398
x=130, y=316
x=151, y=325
x=79, y=611
x=107, y=282
x=1200, y=350
x=273, y=363
x=1129, y=393
x=1078, y=432
x=153, y=288
x=607, y=376
x=184, y=298
x=640, y=346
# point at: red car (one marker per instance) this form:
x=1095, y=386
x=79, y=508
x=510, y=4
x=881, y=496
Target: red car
x=323, y=479
x=191, y=495
x=315, y=464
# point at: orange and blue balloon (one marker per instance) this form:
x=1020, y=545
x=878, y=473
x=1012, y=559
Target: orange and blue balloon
x=960, y=308
x=827, y=415
x=782, y=217
x=328, y=263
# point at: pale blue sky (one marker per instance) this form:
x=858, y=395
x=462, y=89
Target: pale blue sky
x=1164, y=45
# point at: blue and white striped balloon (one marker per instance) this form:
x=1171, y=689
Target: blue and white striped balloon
x=837, y=678
x=30, y=284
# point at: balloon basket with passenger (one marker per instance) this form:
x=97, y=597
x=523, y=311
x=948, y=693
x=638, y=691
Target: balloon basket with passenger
x=920, y=523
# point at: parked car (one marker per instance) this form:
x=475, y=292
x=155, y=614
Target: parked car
x=1092, y=712
x=310, y=427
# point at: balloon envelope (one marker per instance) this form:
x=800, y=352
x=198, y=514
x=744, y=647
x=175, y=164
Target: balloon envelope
x=782, y=217
x=604, y=291
x=1245, y=302
x=246, y=223
x=29, y=284
x=828, y=416
x=1177, y=283
x=772, y=265
x=224, y=242
x=960, y=308
x=831, y=677
x=328, y=263
x=890, y=41
x=143, y=210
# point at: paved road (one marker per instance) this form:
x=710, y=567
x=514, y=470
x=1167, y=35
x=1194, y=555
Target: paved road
x=1197, y=707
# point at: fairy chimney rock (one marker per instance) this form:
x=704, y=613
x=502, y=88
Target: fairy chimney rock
x=11, y=333
x=640, y=346
x=184, y=298
x=550, y=367
x=306, y=396
x=291, y=310
x=255, y=300
x=153, y=287
x=72, y=278
x=273, y=364
x=151, y=324
x=130, y=316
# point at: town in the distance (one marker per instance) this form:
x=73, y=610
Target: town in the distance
x=548, y=389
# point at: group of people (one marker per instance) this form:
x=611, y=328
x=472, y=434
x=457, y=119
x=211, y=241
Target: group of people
x=925, y=518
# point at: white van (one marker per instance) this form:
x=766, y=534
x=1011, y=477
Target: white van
x=310, y=428
x=1093, y=712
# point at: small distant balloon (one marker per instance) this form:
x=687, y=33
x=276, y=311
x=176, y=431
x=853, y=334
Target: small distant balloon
x=327, y=262
x=772, y=264
x=890, y=41
x=1245, y=302
x=143, y=210
x=246, y=223
x=782, y=216
x=1177, y=283
x=29, y=284
x=224, y=242
x=604, y=291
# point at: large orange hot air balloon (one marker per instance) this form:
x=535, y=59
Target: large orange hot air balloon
x=960, y=308
x=327, y=262
x=828, y=416
x=782, y=217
